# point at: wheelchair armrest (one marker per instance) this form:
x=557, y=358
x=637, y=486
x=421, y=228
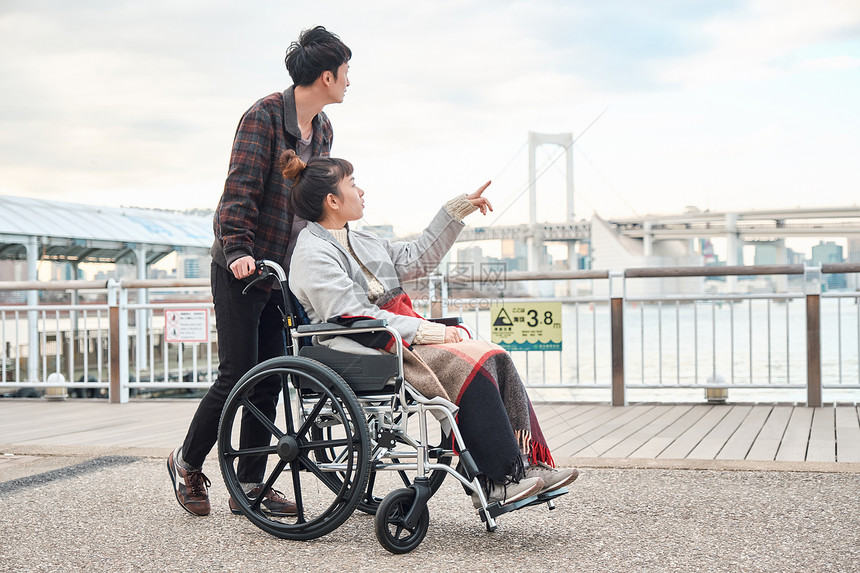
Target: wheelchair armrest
x=328, y=327
x=448, y=320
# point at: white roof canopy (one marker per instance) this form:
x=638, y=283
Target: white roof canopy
x=91, y=233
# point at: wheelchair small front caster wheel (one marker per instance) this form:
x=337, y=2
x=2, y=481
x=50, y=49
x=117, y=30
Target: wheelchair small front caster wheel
x=391, y=531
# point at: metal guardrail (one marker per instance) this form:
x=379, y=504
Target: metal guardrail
x=109, y=345
x=812, y=297
x=119, y=346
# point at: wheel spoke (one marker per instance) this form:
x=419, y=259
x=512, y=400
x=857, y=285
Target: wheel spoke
x=261, y=417
x=312, y=417
x=276, y=473
x=297, y=491
x=324, y=477
x=262, y=450
x=288, y=410
x=326, y=444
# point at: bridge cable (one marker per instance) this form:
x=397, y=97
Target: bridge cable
x=544, y=168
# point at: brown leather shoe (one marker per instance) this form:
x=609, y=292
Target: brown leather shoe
x=190, y=487
x=274, y=503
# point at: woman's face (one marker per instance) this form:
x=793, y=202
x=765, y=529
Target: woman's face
x=351, y=199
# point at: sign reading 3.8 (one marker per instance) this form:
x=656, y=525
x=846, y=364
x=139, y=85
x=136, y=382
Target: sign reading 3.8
x=526, y=326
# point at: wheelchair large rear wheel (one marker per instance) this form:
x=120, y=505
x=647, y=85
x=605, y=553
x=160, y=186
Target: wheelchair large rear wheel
x=266, y=402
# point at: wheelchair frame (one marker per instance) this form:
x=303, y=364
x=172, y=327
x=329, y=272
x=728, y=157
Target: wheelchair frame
x=333, y=440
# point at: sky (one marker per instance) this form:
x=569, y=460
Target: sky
x=723, y=105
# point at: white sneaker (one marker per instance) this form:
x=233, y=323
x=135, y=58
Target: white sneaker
x=553, y=478
x=512, y=492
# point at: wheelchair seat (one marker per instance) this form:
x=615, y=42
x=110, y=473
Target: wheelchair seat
x=363, y=372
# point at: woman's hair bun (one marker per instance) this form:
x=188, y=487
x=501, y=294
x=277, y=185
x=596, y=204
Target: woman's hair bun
x=291, y=164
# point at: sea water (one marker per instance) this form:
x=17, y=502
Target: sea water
x=673, y=350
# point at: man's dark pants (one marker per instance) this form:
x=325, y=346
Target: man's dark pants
x=250, y=330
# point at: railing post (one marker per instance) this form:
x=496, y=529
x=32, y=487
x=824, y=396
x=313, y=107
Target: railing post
x=616, y=313
x=812, y=281
x=33, y=347
x=117, y=303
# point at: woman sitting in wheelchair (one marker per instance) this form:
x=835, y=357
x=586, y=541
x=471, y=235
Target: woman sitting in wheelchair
x=340, y=273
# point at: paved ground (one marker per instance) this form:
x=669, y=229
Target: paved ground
x=118, y=513
x=83, y=487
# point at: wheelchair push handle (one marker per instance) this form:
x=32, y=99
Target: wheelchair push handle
x=265, y=269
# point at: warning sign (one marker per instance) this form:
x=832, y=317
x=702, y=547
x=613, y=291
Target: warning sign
x=191, y=325
x=526, y=326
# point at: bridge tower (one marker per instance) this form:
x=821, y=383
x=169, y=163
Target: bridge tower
x=535, y=240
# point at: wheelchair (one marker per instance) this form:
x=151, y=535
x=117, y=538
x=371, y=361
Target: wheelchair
x=340, y=419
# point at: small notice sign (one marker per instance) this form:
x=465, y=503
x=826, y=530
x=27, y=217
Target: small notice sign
x=191, y=325
x=526, y=326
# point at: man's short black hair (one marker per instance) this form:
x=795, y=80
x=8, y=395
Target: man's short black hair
x=316, y=51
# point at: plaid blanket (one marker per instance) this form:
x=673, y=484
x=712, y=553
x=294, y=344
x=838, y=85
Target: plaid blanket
x=496, y=417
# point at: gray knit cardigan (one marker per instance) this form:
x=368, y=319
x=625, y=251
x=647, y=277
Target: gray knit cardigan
x=328, y=282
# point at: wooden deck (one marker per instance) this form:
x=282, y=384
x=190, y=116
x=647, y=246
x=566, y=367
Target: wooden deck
x=703, y=432
x=700, y=435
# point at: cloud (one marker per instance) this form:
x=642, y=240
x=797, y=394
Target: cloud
x=136, y=103
x=764, y=39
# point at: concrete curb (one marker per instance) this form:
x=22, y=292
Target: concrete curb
x=719, y=465
x=616, y=463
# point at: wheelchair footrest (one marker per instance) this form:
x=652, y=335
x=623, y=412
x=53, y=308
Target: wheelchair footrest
x=495, y=509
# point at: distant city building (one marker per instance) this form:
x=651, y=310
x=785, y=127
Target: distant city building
x=775, y=253
x=583, y=256
x=12, y=271
x=476, y=272
x=854, y=250
x=193, y=266
x=515, y=253
x=473, y=254
x=829, y=252
x=795, y=258
x=767, y=254
x=853, y=257
x=709, y=257
x=62, y=271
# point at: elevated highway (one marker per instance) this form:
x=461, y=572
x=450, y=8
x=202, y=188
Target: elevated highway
x=580, y=231
x=746, y=225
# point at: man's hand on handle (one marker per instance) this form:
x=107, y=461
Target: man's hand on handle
x=243, y=267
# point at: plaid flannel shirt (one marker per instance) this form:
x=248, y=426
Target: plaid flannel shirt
x=253, y=216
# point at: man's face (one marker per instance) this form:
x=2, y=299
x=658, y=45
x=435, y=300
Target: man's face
x=337, y=89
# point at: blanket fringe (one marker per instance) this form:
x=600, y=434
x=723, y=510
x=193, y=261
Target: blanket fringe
x=540, y=453
x=524, y=441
